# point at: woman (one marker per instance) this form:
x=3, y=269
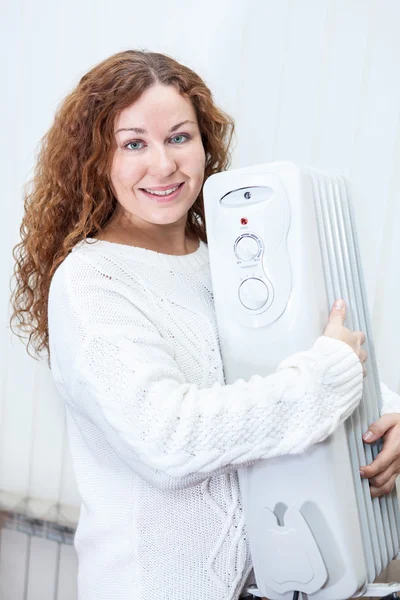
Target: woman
x=113, y=280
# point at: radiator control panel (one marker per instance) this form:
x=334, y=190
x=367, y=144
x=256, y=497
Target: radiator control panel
x=248, y=247
x=253, y=293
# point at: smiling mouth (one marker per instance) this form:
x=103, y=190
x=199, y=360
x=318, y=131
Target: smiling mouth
x=162, y=193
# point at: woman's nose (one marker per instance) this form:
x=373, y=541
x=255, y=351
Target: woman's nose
x=161, y=162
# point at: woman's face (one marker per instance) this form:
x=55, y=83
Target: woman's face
x=158, y=166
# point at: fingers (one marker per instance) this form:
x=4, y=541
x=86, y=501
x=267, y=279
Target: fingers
x=380, y=427
x=382, y=472
x=385, y=489
x=362, y=354
x=361, y=337
x=363, y=358
x=380, y=464
x=338, y=313
x=383, y=478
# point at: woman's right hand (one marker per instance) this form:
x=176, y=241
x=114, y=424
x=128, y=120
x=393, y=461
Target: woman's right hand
x=335, y=329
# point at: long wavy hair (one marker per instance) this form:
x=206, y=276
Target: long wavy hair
x=70, y=196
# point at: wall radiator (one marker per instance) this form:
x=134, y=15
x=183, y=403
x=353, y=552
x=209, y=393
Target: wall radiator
x=39, y=502
x=283, y=247
x=37, y=559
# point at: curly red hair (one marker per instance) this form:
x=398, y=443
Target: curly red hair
x=70, y=196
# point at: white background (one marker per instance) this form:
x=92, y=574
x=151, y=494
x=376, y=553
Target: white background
x=314, y=81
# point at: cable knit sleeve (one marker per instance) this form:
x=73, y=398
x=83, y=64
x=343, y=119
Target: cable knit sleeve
x=120, y=373
x=390, y=400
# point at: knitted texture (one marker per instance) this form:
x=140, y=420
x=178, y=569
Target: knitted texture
x=156, y=436
x=390, y=400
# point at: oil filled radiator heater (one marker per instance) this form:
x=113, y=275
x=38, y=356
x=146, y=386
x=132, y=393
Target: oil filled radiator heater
x=283, y=247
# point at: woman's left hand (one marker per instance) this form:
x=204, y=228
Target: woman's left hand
x=382, y=472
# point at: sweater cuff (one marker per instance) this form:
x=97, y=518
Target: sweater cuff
x=335, y=362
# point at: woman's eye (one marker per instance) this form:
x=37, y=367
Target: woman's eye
x=135, y=145
x=139, y=144
x=179, y=139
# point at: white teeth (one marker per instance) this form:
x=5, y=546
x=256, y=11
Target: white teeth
x=164, y=193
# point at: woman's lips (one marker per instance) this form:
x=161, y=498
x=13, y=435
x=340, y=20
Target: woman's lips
x=164, y=198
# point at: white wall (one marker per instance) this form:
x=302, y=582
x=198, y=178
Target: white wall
x=315, y=81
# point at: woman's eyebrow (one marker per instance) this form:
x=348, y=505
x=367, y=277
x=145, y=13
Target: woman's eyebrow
x=142, y=131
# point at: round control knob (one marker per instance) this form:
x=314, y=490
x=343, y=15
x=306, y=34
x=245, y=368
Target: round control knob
x=253, y=293
x=247, y=248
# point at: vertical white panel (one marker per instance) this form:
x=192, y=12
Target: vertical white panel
x=308, y=38
x=340, y=91
x=216, y=46
x=67, y=577
x=14, y=552
x=373, y=162
x=261, y=67
x=11, y=183
x=42, y=569
x=48, y=447
x=387, y=289
x=18, y=419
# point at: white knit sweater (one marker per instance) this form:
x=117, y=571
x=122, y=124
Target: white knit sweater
x=155, y=435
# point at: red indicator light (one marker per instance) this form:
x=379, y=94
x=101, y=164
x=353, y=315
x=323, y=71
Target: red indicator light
x=243, y=221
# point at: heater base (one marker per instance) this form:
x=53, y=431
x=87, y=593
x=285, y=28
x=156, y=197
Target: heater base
x=384, y=591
